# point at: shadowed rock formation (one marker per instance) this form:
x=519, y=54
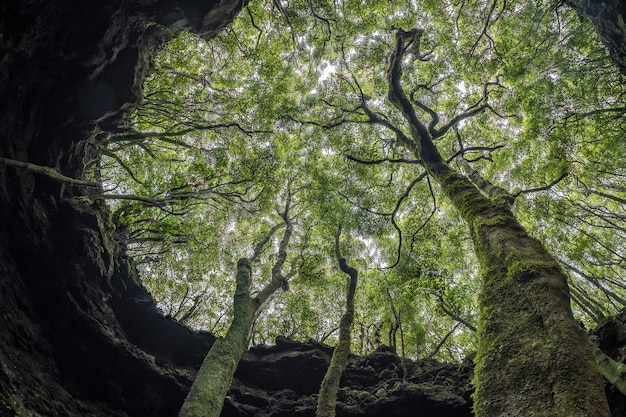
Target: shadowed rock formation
x=283, y=380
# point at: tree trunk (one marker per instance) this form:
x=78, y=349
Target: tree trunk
x=533, y=358
x=612, y=370
x=206, y=397
x=327, y=399
x=209, y=389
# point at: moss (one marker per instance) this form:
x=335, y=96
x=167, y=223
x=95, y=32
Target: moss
x=531, y=359
x=13, y=406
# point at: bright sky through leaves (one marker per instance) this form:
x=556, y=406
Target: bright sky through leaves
x=284, y=99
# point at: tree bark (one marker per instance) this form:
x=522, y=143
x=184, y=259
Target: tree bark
x=327, y=399
x=209, y=389
x=612, y=370
x=206, y=397
x=533, y=358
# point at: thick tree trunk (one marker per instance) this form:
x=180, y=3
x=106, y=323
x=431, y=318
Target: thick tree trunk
x=533, y=358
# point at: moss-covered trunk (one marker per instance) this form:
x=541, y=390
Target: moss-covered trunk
x=207, y=394
x=533, y=358
x=206, y=397
x=612, y=370
x=327, y=399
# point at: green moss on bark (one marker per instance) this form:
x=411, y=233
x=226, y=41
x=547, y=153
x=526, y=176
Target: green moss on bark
x=532, y=359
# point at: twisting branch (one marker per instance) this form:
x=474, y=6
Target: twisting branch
x=470, y=112
x=160, y=203
x=443, y=341
x=485, y=27
x=434, y=117
x=260, y=247
x=323, y=19
x=381, y=161
x=458, y=118
x=285, y=16
x=601, y=193
x=545, y=187
x=486, y=187
x=254, y=25
x=430, y=216
x=376, y=119
x=124, y=166
x=449, y=312
x=467, y=149
x=397, y=96
x=193, y=127
x=395, y=225
x=279, y=280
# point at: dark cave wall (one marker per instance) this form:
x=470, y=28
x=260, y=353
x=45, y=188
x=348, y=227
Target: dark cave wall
x=78, y=334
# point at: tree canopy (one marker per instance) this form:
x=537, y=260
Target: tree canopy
x=290, y=104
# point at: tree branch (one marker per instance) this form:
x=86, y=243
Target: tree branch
x=545, y=187
x=380, y=161
x=51, y=173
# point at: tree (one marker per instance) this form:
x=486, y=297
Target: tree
x=525, y=319
x=206, y=397
x=327, y=399
x=494, y=103
x=67, y=82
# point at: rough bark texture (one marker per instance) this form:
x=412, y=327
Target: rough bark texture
x=533, y=358
x=610, y=337
x=327, y=400
x=613, y=371
x=207, y=394
x=609, y=19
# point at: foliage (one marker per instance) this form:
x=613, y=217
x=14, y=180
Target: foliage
x=293, y=96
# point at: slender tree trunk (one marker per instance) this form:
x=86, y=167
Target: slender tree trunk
x=209, y=389
x=327, y=399
x=533, y=358
x=206, y=397
x=612, y=370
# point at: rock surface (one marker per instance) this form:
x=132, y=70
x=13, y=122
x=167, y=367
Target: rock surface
x=79, y=336
x=283, y=380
